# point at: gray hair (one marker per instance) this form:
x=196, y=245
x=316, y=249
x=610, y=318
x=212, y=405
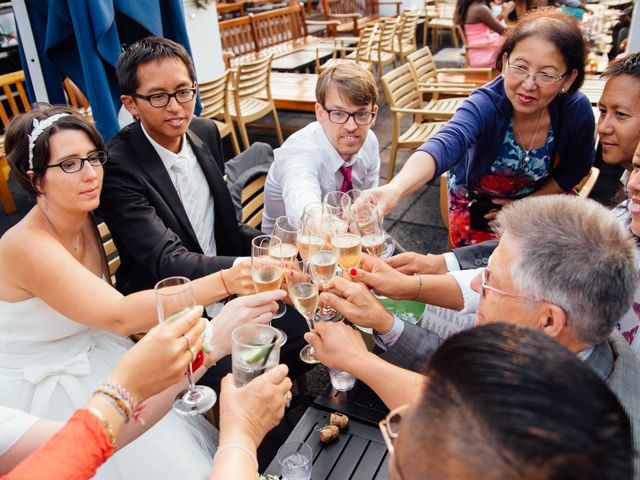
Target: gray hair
x=574, y=254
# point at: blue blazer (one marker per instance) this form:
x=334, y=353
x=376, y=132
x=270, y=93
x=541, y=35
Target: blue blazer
x=470, y=142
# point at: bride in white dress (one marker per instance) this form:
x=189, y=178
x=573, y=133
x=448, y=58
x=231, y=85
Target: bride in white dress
x=62, y=326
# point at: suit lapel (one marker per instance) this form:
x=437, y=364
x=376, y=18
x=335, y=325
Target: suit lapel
x=152, y=165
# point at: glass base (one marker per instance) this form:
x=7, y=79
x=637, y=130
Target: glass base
x=282, y=309
x=329, y=316
x=307, y=355
x=283, y=336
x=194, y=401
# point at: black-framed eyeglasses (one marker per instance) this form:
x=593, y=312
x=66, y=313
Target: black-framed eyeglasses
x=341, y=117
x=541, y=78
x=159, y=100
x=75, y=164
x=389, y=427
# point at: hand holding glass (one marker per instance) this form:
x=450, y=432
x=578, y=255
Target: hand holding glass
x=174, y=298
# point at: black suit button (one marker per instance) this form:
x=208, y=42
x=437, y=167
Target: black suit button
x=477, y=262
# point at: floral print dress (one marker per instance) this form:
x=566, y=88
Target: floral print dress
x=513, y=175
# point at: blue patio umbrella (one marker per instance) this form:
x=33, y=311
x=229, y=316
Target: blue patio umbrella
x=82, y=40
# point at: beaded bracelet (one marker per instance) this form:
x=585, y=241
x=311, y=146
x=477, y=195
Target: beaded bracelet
x=105, y=423
x=136, y=409
x=117, y=404
x=122, y=405
x=240, y=447
x=122, y=397
x=419, y=288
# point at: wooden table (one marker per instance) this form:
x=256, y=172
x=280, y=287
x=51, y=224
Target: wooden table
x=302, y=60
x=359, y=453
x=294, y=91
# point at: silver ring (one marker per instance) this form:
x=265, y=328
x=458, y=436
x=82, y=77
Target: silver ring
x=193, y=354
x=287, y=399
x=188, y=341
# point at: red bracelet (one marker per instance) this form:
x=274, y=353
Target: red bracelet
x=224, y=284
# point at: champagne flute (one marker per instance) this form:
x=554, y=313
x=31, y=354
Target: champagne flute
x=303, y=292
x=347, y=244
x=174, y=298
x=323, y=261
x=370, y=223
x=286, y=229
x=337, y=204
x=310, y=237
x=369, y=226
x=267, y=268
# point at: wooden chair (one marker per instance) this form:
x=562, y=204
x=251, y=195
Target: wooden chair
x=361, y=54
x=383, y=52
x=353, y=15
x=250, y=80
x=404, y=98
x=230, y=10
x=110, y=251
x=435, y=81
x=253, y=201
x=405, y=42
x=587, y=183
x=77, y=100
x=215, y=105
x=16, y=100
x=442, y=21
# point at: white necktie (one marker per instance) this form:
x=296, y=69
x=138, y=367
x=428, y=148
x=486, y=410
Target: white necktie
x=187, y=193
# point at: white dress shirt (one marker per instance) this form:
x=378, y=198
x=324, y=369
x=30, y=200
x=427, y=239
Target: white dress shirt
x=307, y=166
x=199, y=208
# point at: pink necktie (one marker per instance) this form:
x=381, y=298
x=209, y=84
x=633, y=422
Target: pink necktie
x=346, y=181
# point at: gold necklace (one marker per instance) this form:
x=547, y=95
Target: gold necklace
x=535, y=134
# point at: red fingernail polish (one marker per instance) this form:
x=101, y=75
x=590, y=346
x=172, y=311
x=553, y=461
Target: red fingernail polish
x=353, y=272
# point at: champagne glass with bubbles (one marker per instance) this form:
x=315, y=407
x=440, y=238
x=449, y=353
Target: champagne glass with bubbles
x=303, y=292
x=174, y=298
x=286, y=229
x=267, y=267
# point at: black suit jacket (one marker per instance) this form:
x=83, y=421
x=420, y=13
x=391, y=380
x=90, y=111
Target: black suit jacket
x=149, y=225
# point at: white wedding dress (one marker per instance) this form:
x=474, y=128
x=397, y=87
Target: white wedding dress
x=50, y=365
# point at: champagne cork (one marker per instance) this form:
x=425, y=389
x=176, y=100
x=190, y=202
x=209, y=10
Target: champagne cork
x=328, y=433
x=339, y=420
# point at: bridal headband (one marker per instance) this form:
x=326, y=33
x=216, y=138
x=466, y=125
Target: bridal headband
x=38, y=128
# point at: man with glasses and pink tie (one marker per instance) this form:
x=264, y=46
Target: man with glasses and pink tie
x=337, y=152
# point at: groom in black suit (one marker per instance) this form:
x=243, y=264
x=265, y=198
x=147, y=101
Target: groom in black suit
x=164, y=197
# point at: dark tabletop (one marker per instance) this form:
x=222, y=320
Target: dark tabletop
x=359, y=452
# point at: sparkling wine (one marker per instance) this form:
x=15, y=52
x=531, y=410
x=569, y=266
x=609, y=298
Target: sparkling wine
x=349, y=248
x=285, y=251
x=305, y=298
x=322, y=265
x=373, y=244
x=338, y=225
x=267, y=278
x=309, y=244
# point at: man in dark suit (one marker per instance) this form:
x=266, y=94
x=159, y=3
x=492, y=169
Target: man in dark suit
x=164, y=197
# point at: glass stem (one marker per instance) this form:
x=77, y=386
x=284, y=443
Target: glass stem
x=192, y=387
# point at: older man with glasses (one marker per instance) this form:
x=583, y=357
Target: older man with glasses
x=337, y=152
x=552, y=271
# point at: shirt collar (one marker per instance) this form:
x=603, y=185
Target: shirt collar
x=585, y=354
x=167, y=156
